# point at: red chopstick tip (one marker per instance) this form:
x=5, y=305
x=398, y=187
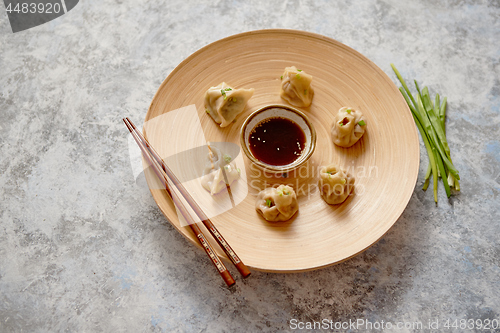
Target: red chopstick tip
x=244, y=271
x=227, y=278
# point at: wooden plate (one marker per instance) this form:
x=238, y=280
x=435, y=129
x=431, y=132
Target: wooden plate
x=385, y=161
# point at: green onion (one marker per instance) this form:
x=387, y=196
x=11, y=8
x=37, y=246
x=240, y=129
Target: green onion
x=227, y=158
x=348, y=111
x=429, y=117
x=442, y=113
x=361, y=123
x=223, y=92
x=434, y=175
x=268, y=202
x=427, y=176
x=427, y=125
x=299, y=70
x=297, y=75
x=281, y=77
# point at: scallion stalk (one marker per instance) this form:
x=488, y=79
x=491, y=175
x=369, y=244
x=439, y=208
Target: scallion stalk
x=434, y=175
x=430, y=118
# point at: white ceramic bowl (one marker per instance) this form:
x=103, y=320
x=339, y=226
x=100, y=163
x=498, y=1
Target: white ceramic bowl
x=279, y=111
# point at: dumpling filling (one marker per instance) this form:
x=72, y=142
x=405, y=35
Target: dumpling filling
x=277, y=204
x=219, y=169
x=335, y=184
x=348, y=127
x=224, y=103
x=296, y=87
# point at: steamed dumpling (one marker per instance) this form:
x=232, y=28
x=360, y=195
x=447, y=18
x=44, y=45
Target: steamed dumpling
x=296, y=87
x=335, y=184
x=223, y=103
x=277, y=204
x=213, y=175
x=348, y=127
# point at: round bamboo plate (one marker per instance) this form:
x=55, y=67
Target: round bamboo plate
x=385, y=161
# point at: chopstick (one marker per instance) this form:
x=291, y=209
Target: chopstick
x=162, y=176
x=244, y=271
x=166, y=175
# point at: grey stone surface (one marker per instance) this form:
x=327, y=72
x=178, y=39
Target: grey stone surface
x=84, y=249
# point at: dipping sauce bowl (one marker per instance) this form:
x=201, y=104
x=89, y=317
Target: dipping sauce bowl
x=278, y=138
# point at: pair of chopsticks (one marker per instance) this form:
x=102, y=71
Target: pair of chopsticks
x=168, y=178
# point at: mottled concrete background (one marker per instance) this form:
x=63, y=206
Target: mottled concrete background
x=83, y=248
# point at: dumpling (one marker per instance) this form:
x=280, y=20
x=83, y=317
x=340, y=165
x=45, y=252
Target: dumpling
x=349, y=127
x=277, y=204
x=223, y=103
x=335, y=184
x=213, y=175
x=296, y=87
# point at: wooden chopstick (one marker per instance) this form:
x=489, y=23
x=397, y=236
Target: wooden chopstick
x=162, y=176
x=165, y=174
x=231, y=254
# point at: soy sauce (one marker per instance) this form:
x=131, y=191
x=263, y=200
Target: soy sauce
x=277, y=141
